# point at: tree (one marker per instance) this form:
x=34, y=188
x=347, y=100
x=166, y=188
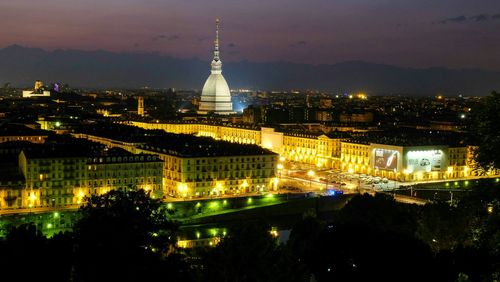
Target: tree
x=306, y=238
x=444, y=227
x=124, y=236
x=370, y=239
x=485, y=132
x=381, y=213
x=250, y=253
x=26, y=255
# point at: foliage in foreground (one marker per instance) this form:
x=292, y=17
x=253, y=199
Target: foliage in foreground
x=126, y=236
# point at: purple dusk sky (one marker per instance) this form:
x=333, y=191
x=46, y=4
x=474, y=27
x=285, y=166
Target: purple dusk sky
x=410, y=33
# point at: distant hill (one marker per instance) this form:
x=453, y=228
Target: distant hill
x=21, y=66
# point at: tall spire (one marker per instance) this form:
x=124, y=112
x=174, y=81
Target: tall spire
x=216, y=62
x=216, y=42
x=216, y=96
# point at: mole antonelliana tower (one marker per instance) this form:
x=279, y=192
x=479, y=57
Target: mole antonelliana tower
x=216, y=97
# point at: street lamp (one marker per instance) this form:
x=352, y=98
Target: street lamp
x=310, y=174
x=32, y=199
x=490, y=209
x=280, y=168
x=244, y=185
x=182, y=189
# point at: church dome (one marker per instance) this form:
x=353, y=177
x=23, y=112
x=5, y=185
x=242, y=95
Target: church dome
x=216, y=96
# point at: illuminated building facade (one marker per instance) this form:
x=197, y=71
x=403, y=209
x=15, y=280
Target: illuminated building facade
x=355, y=157
x=362, y=117
x=57, y=178
x=335, y=151
x=203, y=167
x=143, y=171
x=322, y=151
x=406, y=163
x=50, y=179
x=220, y=175
x=300, y=148
x=37, y=92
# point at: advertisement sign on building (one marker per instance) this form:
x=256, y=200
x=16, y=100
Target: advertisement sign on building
x=386, y=159
x=425, y=161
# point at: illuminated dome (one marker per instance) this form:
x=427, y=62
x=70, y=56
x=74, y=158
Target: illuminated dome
x=216, y=96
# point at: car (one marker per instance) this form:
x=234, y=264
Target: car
x=343, y=184
x=333, y=192
x=311, y=195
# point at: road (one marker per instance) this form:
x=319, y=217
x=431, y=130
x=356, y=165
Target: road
x=319, y=181
x=38, y=210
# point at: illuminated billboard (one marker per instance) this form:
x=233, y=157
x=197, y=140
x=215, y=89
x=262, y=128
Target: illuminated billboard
x=386, y=159
x=425, y=161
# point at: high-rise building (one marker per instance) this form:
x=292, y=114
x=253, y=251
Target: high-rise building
x=216, y=97
x=140, y=106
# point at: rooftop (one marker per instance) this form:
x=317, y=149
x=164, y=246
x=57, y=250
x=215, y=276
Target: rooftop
x=173, y=144
x=411, y=137
x=13, y=129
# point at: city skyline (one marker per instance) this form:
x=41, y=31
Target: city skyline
x=353, y=140
x=410, y=34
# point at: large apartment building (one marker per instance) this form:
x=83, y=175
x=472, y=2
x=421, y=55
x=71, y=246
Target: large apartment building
x=407, y=157
x=20, y=132
x=197, y=166
x=350, y=152
x=220, y=172
x=59, y=176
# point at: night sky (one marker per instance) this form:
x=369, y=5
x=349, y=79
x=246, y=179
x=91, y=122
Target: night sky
x=417, y=33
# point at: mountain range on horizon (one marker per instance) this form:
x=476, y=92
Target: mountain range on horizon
x=21, y=66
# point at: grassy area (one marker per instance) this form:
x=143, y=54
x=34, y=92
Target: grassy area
x=446, y=190
x=201, y=212
x=189, y=210
x=282, y=215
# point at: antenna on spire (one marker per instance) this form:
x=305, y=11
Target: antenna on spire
x=216, y=62
x=216, y=42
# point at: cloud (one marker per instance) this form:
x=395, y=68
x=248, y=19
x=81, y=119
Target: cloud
x=298, y=43
x=479, y=18
x=231, y=45
x=470, y=19
x=162, y=37
x=459, y=19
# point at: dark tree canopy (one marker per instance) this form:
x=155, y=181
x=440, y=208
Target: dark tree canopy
x=123, y=236
x=126, y=236
x=485, y=131
x=250, y=254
